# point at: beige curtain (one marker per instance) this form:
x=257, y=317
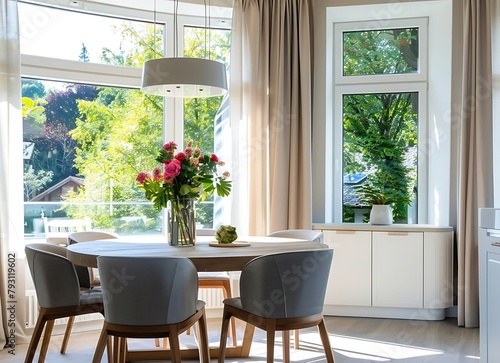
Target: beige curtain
x=475, y=184
x=271, y=98
x=11, y=177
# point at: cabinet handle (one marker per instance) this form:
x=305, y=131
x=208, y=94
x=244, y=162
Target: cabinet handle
x=397, y=233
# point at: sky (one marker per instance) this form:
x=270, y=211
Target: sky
x=60, y=34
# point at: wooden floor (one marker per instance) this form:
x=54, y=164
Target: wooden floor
x=354, y=340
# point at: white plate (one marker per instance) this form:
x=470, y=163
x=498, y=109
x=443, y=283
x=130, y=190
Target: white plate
x=233, y=244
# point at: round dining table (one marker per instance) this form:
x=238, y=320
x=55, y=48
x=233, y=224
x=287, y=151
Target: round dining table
x=206, y=255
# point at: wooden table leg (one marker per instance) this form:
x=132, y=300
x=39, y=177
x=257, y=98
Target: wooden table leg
x=241, y=351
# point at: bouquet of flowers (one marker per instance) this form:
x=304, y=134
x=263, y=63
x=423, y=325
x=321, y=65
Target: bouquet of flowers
x=185, y=174
x=188, y=174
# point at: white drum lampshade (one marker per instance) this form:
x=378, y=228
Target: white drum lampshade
x=184, y=77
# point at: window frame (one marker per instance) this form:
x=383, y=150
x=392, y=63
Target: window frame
x=422, y=175
x=365, y=84
x=421, y=75
x=63, y=70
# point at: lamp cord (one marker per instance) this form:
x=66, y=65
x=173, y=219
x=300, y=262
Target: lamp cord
x=176, y=40
x=209, y=29
x=154, y=29
x=205, y=3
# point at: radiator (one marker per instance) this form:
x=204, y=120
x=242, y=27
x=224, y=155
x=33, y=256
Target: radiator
x=212, y=297
x=32, y=308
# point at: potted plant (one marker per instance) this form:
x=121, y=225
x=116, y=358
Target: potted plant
x=382, y=192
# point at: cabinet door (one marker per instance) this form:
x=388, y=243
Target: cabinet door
x=398, y=269
x=350, y=275
x=492, y=307
x=438, y=270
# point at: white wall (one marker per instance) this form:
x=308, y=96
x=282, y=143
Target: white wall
x=438, y=139
x=495, y=26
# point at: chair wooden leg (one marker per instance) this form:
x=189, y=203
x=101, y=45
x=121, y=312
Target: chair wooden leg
x=116, y=349
x=323, y=333
x=203, y=339
x=226, y=293
x=175, y=348
x=270, y=343
x=35, y=337
x=103, y=342
x=109, y=350
x=286, y=345
x=296, y=339
x=67, y=333
x=165, y=343
x=46, y=340
x=223, y=335
x=123, y=350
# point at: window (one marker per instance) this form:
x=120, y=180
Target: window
x=88, y=130
x=200, y=113
x=381, y=91
x=381, y=51
x=63, y=34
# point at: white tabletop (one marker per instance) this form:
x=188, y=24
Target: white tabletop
x=204, y=256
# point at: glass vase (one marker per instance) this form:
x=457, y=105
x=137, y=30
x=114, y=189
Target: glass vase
x=182, y=222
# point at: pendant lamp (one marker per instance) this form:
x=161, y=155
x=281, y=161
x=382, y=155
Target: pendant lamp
x=183, y=77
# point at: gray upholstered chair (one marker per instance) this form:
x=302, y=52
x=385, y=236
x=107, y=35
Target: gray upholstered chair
x=139, y=306
x=308, y=235
x=88, y=236
x=59, y=294
x=282, y=292
x=213, y=280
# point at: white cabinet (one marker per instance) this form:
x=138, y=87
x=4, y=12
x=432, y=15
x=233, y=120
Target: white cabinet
x=438, y=271
x=397, y=271
x=351, y=272
x=492, y=304
x=489, y=278
x=398, y=275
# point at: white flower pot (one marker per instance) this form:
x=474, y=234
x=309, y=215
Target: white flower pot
x=381, y=214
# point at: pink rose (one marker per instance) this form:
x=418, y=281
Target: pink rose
x=142, y=177
x=157, y=173
x=170, y=146
x=180, y=156
x=172, y=169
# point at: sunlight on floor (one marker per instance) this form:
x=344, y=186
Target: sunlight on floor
x=374, y=350
x=472, y=357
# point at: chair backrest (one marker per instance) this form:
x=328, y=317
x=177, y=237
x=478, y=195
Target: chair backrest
x=86, y=236
x=57, y=230
x=285, y=285
x=148, y=290
x=54, y=276
x=307, y=234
